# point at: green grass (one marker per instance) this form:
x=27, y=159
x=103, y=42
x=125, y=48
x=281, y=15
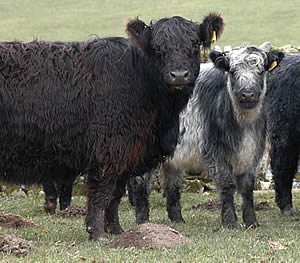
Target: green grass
x=65, y=240
x=246, y=21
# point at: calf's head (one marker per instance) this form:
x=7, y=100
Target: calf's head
x=172, y=46
x=246, y=70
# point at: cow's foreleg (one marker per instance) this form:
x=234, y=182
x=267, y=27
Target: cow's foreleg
x=100, y=193
x=112, y=224
x=226, y=186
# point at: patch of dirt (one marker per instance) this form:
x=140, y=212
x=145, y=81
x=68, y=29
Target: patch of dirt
x=72, y=211
x=150, y=235
x=13, y=221
x=209, y=205
x=14, y=245
x=262, y=205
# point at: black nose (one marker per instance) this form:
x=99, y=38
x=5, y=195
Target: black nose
x=248, y=95
x=179, y=77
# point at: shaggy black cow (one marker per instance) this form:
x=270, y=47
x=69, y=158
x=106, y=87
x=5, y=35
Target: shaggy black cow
x=283, y=126
x=223, y=129
x=104, y=106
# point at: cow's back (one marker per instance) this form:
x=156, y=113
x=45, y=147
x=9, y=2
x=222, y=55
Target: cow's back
x=58, y=99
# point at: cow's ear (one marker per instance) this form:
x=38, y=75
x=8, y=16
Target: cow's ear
x=220, y=60
x=273, y=59
x=211, y=29
x=138, y=33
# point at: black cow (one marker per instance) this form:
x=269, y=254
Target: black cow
x=283, y=126
x=103, y=106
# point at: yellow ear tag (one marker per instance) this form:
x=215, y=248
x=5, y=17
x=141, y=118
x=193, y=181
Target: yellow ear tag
x=214, y=37
x=273, y=65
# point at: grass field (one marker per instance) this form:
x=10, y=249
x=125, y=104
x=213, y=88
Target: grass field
x=65, y=240
x=246, y=21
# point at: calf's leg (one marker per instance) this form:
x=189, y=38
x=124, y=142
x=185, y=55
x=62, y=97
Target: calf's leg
x=226, y=186
x=245, y=185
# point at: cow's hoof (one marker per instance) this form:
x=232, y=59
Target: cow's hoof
x=178, y=220
x=50, y=208
x=114, y=229
x=99, y=237
x=142, y=218
x=252, y=225
x=288, y=212
x=231, y=225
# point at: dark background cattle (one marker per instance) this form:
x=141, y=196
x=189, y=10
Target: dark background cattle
x=283, y=123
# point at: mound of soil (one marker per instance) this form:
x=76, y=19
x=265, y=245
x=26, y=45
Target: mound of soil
x=14, y=245
x=13, y=221
x=72, y=211
x=209, y=205
x=150, y=235
x=262, y=205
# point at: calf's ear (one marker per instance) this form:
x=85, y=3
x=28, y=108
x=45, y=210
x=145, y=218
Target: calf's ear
x=273, y=59
x=211, y=29
x=220, y=60
x=138, y=33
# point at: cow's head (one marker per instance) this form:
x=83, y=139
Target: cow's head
x=172, y=46
x=246, y=70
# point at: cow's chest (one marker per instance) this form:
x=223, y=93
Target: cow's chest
x=244, y=159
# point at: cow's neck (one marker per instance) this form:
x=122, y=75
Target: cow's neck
x=170, y=108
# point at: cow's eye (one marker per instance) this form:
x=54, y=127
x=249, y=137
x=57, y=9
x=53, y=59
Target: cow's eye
x=261, y=72
x=233, y=74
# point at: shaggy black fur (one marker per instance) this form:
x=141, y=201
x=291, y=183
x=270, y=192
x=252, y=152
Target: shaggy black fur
x=283, y=122
x=103, y=106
